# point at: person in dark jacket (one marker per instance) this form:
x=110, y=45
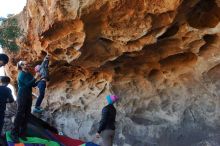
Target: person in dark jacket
x=107, y=124
x=24, y=100
x=5, y=97
x=44, y=73
x=3, y=59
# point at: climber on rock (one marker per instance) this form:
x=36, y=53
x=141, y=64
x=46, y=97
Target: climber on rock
x=5, y=97
x=107, y=124
x=24, y=100
x=44, y=73
x=3, y=59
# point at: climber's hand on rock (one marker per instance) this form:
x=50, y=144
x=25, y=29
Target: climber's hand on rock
x=48, y=56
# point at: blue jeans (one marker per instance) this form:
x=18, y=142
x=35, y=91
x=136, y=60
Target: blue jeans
x=41, y=86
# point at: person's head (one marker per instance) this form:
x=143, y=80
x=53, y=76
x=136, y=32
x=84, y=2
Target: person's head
x=23, y=66
x=5, y=80
x=37, y=68
x=111, y=99
x=3, y=59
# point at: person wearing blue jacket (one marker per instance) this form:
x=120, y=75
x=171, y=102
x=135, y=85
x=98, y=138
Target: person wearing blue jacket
x=5, y=97
x=24, y=100
x=44, y=73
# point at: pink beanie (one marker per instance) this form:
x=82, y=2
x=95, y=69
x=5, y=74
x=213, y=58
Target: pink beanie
x=112, y=98
x=37, y=68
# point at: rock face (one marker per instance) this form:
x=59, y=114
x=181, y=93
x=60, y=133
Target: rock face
x=162, y=57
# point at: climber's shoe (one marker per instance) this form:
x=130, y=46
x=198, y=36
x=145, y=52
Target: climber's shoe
x=38, y=110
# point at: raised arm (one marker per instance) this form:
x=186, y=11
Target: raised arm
x=45, y=62
x=24, y=82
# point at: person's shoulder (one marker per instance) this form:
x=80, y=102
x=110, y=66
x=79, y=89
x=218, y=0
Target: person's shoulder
x=2, y=87
x=5, y=89
x=107, y=108
x=8, y=90
x=21, y=74
x=111, y=107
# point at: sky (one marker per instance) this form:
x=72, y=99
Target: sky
x=11, y=7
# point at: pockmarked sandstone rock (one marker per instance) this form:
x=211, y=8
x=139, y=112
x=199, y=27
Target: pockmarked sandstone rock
x=162, y=57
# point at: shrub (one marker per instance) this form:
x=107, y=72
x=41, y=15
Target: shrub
x=9, y=31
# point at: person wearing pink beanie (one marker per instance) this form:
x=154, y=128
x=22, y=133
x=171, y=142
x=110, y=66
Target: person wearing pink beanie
x=107, y=124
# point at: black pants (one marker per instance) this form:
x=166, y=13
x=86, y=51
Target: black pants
x=2, y=115
x=41, y=86
x=22, y=116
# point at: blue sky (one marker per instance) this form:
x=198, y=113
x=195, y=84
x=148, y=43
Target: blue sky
x=11, y=7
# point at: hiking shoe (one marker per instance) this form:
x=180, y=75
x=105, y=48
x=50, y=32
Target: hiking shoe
x=38, y=110
x=14, y=139
x=38, y=107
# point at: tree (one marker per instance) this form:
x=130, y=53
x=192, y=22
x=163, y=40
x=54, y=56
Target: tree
x=9, y=31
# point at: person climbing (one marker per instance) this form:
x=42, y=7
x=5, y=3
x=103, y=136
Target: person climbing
x=24, y=100
x=5, y=97
x=3, y=59
x=44, y=73
x=107, y=124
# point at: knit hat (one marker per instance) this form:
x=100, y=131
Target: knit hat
x=37, y=68
x=111, y=99
x=4, y=58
